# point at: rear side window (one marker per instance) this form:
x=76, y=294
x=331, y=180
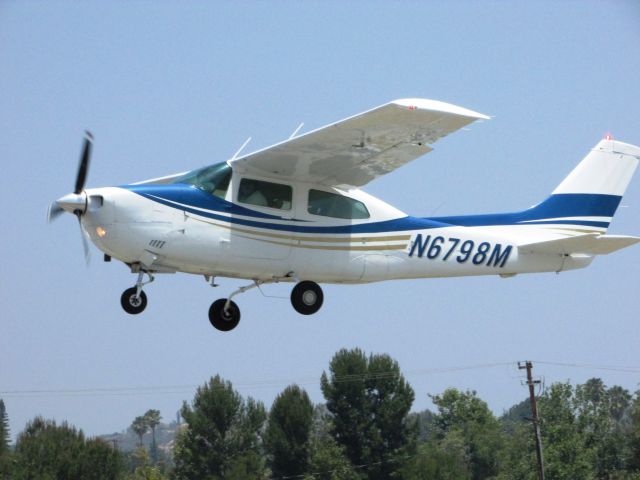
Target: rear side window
x=265, y=194
x=336, y=206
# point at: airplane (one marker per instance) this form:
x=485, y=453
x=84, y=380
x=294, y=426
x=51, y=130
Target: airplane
x=294, y=212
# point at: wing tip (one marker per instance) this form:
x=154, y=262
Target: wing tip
x=436, y=105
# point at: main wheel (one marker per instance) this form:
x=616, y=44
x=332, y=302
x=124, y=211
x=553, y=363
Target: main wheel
x=307, y=297
x=131, y=303
x=221, y=320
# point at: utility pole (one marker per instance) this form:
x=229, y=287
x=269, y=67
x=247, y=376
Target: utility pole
x=534, y=412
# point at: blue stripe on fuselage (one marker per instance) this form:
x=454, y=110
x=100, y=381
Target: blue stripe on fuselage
x=193, y=196
x=194, y=199
x=556, y=206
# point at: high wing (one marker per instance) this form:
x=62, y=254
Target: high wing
x=356, y=150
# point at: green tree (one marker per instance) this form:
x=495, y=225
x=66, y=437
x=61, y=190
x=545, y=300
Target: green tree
x=585, y=434
x=147, y=473
x=138, y=458
x=142, y=468
x=245, y=466
x=465, y=422
x=140, y=427
x=439, y=460
x=517, y=415
x=287, y=434
x=46, y=451
x=5, y=452
x=517, y=457
x=152, y=418
x=424, y=424
x=222, y=437
x=566, y=454
x=328, y=461
x=633, y=435
x=4, y=429
x=599, y=413
x=100, y=460
x=369, y=400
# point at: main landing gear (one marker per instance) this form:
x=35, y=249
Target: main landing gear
x=134, y=300
x=307, y=297
x=224, y=314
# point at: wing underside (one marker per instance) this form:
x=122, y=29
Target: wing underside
x=354, y=151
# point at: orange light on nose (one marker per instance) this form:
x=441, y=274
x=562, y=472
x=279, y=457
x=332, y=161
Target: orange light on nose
x=101, y=232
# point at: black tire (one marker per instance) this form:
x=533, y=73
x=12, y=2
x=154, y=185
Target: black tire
x=221, y=320
x=307, y=297
x=131, y=304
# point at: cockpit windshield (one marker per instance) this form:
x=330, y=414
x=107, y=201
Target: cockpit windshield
x=214, y=179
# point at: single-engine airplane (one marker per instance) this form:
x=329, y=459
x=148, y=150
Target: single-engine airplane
x=294, y=212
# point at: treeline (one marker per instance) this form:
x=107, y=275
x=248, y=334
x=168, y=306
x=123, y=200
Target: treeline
x=363, y=431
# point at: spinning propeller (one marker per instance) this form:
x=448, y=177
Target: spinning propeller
x=77, y=201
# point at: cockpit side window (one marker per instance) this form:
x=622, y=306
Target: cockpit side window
x=214, y=179
x=265, y=194
x=328, y=204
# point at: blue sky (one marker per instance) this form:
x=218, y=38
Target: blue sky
x=169, y=86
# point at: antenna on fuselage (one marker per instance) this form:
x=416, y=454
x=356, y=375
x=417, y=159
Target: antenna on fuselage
x=235, y=155
x=296, y=131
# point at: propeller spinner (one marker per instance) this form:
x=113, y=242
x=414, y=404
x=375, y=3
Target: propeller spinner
x=77, y=201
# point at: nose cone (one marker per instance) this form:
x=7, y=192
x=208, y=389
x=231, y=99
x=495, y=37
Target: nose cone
x=73, y=202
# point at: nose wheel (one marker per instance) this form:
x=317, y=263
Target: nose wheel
x=132, y=302
x=307, y=297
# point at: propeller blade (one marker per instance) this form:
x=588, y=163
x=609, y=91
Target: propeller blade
x=85, y=244
x=84, y=162
x=54, y=211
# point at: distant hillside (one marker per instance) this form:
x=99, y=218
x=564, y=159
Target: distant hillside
x=127, y=440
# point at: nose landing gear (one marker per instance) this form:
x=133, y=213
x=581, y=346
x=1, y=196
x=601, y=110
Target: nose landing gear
x=224, y=314
x=134, y=300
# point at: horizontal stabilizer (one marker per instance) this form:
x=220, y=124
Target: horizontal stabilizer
x=592, y=243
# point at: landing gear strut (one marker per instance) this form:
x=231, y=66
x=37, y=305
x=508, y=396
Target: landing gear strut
x=307, y=297
x=134, y=300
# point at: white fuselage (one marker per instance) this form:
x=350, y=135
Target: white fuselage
x=175, y=236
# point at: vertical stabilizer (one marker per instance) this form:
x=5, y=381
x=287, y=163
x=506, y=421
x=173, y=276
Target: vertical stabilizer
x=586, y=200
x=589, y=196
x=606, y=170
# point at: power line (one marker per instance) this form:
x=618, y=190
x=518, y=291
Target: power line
x=275, y=383
x=612, y=368
x=177, y=389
